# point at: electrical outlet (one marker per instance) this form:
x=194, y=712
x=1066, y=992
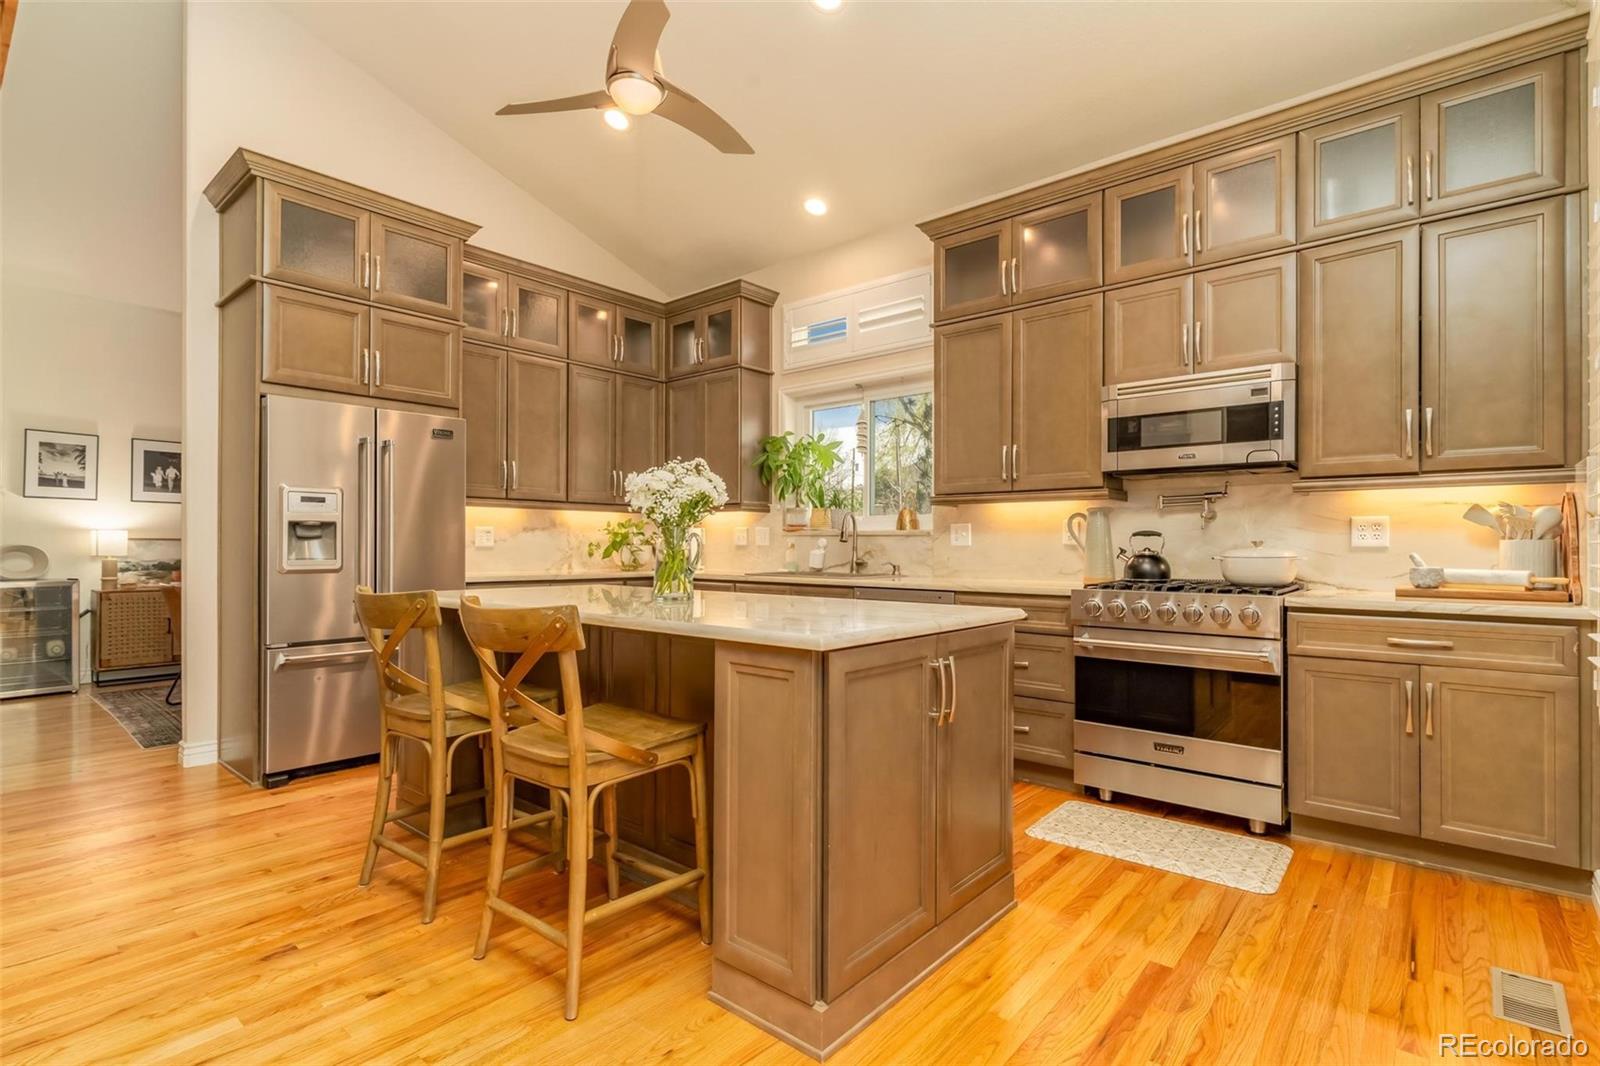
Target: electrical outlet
x=483, y=536
x=961, y=535
x=741, y=537
x=763, y=536
x=1369, y=531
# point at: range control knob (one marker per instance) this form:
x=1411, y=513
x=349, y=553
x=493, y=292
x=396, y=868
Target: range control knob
x=1092, y=608
x=1192, y=614
x=1167, y=612
x=1220, y=614
x=1140, y=610
x=1249, y=615
x=1116, y=608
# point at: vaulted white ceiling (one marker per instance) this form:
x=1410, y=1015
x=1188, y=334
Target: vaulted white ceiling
x=891, y=111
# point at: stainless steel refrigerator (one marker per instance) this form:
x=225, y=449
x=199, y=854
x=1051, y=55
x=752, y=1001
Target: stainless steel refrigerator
x=351, y=495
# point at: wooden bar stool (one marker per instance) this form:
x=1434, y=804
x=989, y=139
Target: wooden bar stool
x=437, y=716
x=581, y=757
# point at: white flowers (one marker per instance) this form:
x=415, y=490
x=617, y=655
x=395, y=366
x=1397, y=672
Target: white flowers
x=677, y=494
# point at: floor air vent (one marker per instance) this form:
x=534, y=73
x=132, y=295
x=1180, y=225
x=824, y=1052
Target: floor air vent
x=1532, y=1001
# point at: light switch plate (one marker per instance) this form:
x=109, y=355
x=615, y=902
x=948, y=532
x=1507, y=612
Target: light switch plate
x=483, y=536
x=1369, y=531
x=741, y=537
x=961, y=535
x=763, y=536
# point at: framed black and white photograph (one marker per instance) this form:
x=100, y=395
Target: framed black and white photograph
x=60, y=466
x=157, y=471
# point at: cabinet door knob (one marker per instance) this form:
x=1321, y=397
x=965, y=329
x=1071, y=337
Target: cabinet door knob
x=1024, y=729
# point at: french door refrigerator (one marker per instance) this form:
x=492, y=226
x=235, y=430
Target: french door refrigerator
x=351, y=495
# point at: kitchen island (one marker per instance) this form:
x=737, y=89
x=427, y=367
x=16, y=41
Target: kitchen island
x=861, y=782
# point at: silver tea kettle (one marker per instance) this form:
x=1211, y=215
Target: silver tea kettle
x=1146, y=564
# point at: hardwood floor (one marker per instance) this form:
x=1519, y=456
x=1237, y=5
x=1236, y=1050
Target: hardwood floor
x=154, y=914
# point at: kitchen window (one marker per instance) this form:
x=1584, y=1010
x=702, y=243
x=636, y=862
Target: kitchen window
x=887, y=441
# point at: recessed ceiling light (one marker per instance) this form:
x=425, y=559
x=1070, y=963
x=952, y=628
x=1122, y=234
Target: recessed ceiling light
x=828, y=5
x=816, y=205
x=616, y=119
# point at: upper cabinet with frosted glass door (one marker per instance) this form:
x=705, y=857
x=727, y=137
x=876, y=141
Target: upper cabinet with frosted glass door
x=1495, y=137
x=415, y=268
x=1049, y=252
x=1359, y=172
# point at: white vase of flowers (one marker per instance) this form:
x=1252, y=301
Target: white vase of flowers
x=675, y=497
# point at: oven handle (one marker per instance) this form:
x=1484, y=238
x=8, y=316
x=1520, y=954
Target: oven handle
x=1260, y=655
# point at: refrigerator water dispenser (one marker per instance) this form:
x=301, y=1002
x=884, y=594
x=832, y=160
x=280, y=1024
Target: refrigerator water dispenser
x=312, y=521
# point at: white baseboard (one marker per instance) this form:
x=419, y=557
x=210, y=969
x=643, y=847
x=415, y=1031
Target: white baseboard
x=195, y=754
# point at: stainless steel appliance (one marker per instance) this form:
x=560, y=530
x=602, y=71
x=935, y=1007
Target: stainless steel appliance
x=1214, y=418
x=1180, y=694
x=350, y=495
x=38, y=636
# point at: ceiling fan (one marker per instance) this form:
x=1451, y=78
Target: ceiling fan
x=634, y=84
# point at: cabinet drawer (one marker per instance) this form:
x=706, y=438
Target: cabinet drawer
x=1042, y=666
x=1483, y=645
x=1046, y=614
x=1041, y=732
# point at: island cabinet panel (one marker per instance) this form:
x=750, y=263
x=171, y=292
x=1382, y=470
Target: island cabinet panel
x=972, y=405
x=881, y=747
x=766, y=887
x=688, y=691
x=483, y=407
x=1494, y=336
x=1358, y=376
x=1500, y=762
x=972, y=837
x=1354, y=730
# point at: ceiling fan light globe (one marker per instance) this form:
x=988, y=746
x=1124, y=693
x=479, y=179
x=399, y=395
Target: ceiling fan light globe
x=616, y=119
x=635, y=93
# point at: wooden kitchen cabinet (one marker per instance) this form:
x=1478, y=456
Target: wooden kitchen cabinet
x=972, y=406
x=1494, y=338
x=1359, y=172
x=538, y=316
x=722, y=328
x=591, y=331
x=722, y=418
x=1056, y=250
x=972, y=271
x=1354, y=742
x=1244, y=315
x=1358, y=355
x=483, y=408
x=536, y=428
x=415, y=359
x=415, y=268
x=1500, y=762
x=314, y=341
x=484, y=313
x=591, y=435
x=1147, y=330
x=639, y=342
x=1055, y=382
x=1495, y=137
x=1147, y=226
x=640, y=430
x=315, y=241
x=1244, y=201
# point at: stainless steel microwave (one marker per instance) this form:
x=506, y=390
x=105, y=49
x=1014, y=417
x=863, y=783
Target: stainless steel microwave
x=1217, y=418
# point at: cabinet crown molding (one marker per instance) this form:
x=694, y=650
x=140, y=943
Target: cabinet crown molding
x=246, y=165
x=1550, y=39
x=726, y=291
x=522, y=268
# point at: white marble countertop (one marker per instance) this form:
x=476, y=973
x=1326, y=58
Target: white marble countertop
x=997, y=585
x=1332, y=599
x=807, y=623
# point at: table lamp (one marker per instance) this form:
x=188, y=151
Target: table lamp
x=110, y=545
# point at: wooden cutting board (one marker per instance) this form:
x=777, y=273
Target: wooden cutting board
x=1569, y=546
x=1497, y=593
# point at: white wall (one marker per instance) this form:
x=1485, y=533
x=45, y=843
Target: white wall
x=254, y=78
x=91, y=260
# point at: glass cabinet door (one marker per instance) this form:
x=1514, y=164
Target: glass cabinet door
x=1147, y=226
x=719, y=326
x=971, y=270
x=1359, y=172
x=312, y=240
x=414, y=267
x=483, y=304
x=38, y=637
x=683, y=344
x=1244, y=201
x=638, y=342
x=538, y=316
x=590, y=335
x=1494, y=137
x=1057, y=249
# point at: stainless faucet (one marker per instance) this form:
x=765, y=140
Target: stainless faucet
x=849, y=532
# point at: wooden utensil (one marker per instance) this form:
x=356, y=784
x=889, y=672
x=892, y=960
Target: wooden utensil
x=1569, y=546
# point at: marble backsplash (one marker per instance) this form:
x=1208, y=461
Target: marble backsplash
x=1024, y=540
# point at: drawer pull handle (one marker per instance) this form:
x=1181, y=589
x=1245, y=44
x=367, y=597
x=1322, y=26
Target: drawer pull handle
x=1021, y=728
x=1427, y=708
x=1411, y=642
x=1020, y=664
x=1411, y=722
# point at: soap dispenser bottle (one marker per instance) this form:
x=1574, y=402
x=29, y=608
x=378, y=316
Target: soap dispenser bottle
x=791, y=557
x=819, y=554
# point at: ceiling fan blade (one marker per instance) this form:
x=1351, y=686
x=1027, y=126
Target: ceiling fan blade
x=566, y=103
x=633, y=46
x=694, y=116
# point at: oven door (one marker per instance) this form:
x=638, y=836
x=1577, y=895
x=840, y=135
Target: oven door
x=1191, y=701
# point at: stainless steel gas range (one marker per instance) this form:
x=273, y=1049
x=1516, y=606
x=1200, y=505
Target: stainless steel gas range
x=1180, y=694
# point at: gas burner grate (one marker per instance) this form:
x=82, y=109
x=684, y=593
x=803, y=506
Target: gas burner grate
x=1209, y=588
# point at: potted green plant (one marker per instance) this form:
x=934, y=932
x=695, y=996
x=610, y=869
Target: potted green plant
x=626, y=539
x=795, y=468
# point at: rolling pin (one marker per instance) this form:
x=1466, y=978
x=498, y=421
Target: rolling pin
x=1515, y=578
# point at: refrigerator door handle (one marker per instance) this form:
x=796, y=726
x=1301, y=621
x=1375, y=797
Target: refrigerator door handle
x=386, y=455
x=363, y=444
x=283, y=658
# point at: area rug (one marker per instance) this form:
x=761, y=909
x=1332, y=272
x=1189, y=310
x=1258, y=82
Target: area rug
x=1191, y=850
x=144, y=713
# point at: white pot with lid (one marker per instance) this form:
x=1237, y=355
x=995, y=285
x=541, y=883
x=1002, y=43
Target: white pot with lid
x=1259, y=565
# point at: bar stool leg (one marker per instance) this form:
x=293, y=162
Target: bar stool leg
x=558, y=842
x=702, y=846
x=486, y=743
x=608, y=812
x=577, y=892
x=438, y=753
x=504, y=810
x=380, y=810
